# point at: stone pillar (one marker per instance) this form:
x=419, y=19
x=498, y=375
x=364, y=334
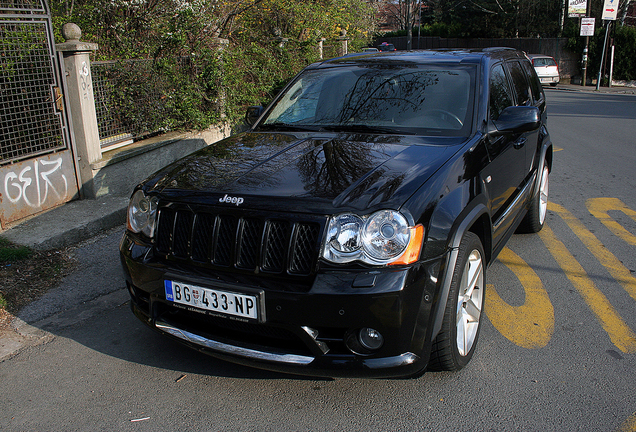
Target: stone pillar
x=220, y=45
x=82, y=103
x=344, y=40
x=321, y=43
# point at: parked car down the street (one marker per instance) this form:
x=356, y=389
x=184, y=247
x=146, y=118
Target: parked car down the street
x=546, y=68
x=385, y=46
x=350, y=229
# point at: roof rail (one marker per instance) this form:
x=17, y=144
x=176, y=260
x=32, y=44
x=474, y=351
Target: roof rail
x=489, y=49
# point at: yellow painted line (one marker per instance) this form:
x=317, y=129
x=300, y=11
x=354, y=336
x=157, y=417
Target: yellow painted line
x=618, y=331
x=530, y=325
x=629, y=425
x=600, y=208
x=613, y=265
x=556, y=149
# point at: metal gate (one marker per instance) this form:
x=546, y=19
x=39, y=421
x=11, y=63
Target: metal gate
x=37, y=167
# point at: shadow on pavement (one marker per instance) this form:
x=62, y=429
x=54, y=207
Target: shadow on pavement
x=92, y=308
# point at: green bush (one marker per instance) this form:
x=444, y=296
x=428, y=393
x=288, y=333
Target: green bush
x=625, y=46
x=624, y=58
x=214, y=85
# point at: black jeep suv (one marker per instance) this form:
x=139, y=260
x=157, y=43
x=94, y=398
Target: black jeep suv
x=348, y=232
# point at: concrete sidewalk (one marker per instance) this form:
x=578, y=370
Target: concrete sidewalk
x=69, y=223
x=592, y=89
x=80, y=220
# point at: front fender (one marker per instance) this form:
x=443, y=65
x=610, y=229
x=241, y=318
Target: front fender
x=476, y=220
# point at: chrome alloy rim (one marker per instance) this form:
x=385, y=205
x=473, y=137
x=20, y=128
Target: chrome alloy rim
x=543, y=194
x=469, y=303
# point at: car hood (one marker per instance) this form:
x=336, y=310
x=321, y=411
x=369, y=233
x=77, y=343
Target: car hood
x=305, y=173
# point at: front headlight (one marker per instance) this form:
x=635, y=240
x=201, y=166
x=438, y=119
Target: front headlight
x=383, y=237
x=142, y=214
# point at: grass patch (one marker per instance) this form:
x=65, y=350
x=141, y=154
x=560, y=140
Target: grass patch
x=10, y=252
x=26, y=275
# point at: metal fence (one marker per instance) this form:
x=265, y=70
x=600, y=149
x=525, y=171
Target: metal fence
x=22, y=5
x=133, y=98
x=30, y=123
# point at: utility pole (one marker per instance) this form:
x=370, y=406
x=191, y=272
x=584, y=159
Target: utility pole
x=419, y=23
x=564, y=10
x=587, y=45
x=409, y=26
x=610, y=12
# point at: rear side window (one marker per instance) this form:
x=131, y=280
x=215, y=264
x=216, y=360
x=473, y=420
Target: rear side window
x=535, y=85
x=500, y=97
x=519, y=83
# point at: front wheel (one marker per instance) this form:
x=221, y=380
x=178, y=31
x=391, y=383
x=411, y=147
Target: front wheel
x=455, y=345
x=535, y=218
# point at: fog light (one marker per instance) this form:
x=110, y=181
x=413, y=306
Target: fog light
x=370, y=339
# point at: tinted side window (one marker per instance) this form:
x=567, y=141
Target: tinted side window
x=535, y=85
x=520, y=84
x=500, y=96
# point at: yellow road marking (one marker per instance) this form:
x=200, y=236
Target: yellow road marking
x=629, y=425
x=620, y=334
x=530, y=325
x=609, y=261
x=600, y=207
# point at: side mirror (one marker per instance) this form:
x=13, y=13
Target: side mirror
x=252, y=114
x=517, y=119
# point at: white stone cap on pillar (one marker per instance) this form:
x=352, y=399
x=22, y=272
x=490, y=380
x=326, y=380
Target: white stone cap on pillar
x=72, y=33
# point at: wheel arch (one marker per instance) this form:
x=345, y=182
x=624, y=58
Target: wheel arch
x=477, y=221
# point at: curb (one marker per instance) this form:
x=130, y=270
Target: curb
x=69, y=223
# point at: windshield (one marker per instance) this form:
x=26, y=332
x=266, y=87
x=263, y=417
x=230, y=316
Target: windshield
x=378, y=99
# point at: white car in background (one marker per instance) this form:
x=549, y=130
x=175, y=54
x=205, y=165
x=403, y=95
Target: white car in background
x=546, y=68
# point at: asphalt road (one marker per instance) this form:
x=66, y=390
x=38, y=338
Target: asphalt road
x=557, y=352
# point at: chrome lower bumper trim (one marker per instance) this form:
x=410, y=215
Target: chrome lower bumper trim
x=220, y=347
x=391, y=362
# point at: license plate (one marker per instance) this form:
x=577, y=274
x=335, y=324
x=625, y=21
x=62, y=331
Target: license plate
x=223, y=302
x=546, y=79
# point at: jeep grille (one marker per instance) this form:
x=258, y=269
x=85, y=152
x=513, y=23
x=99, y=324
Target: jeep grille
x=255, y=243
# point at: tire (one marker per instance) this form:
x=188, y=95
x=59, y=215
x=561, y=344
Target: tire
x=455, y=344
x=535, y=218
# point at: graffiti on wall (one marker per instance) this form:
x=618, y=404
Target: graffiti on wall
x=35, y=185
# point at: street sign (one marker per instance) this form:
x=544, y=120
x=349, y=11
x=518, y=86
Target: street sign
x=610, y=10
x=587, y=26
x=577, y=8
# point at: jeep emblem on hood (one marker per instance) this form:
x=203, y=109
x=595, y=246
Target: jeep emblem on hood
x=234, y=200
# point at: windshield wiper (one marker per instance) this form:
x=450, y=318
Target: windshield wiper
x=288, y=127
x=364, y=128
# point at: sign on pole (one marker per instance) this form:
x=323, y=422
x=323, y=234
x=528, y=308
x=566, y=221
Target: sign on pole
x=610, y=10
x=587, y=26
x=577, y=8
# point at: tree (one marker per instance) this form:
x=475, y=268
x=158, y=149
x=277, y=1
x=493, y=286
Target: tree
x=269, y=42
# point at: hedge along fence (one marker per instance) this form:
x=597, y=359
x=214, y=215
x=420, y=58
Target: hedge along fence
x=135, y=98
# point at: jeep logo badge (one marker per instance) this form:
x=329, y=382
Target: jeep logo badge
x=234, y=200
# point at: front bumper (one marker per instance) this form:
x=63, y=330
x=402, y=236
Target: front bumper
x=549, y=79
x=307, y=332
